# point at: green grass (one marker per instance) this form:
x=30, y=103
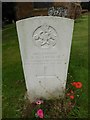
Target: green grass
x=78, y=67
x=13, y=79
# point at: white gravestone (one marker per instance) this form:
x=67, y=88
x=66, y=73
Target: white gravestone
x=45, y=44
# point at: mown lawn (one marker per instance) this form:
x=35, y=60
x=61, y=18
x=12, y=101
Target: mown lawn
x=13, y=79
x=78, y=67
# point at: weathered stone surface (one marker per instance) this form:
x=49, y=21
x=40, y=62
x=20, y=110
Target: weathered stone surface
x=45, y=44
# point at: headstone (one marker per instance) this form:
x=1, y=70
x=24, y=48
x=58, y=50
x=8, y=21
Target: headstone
x=45, y=44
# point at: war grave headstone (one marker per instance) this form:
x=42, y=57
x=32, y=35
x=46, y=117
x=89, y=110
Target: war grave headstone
x=45, y=44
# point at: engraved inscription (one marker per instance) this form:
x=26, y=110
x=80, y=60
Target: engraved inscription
x=46, y=58
x=45, y=36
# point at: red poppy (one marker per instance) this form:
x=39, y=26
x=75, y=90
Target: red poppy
x=78, y=85
x=74, y=84
x=71, y=96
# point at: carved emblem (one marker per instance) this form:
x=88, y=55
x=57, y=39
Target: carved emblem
x=45, y=36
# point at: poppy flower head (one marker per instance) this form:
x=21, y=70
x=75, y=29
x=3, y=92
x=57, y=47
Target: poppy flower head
x=78, y=85
x=74, y=84
x=71, y=97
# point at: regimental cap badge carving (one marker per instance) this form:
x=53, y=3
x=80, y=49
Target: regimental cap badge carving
x=45, y=36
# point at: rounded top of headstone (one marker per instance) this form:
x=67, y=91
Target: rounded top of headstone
x=45, y=17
